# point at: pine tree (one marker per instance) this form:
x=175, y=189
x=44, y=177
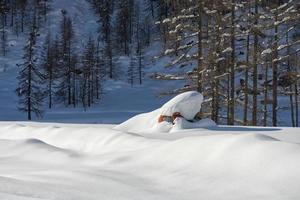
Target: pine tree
x=87, y=90
x=131, y=70
x=99, y=70
x=49, y=66
x=124, y=24
x=105, y=9
x=3, y=11
x=66, y=70
x=4, y=46
x=30, y=79
x=139, y=45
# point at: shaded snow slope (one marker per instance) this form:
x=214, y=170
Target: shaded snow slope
x=56, y=161
x=119, y=101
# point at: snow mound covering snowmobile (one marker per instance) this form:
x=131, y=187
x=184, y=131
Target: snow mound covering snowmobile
x=185, y=105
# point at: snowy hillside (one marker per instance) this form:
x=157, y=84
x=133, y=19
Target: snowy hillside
x=56, y=161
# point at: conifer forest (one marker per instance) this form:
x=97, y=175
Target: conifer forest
x=242, y=55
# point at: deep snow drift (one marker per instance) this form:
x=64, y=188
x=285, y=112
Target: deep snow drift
x=56, y=161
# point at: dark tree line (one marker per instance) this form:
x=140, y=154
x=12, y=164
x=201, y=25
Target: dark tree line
x=244, y=54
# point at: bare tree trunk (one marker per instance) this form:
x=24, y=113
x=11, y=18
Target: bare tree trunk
x=98, y=70
x=245, y=118
x=69, y=74
x=217, y=70
x=290, y=87
x=50, y=88
x=89, y=89
x=110, y=58
x=266, y=93
x=139, y=49
x=275, y=71
x=292, y=106
x=254, y=112
x=74, y=90
x=92, y=87
x=228, y=97
x=296, y=94
x=22, y=19
x=12, y=15
x=3, y=39
x=29, y=92
x=29, y=82
x=296, y=102
x=200, y=64
x=232, y=65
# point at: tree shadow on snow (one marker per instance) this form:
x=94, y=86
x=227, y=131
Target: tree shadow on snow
x=239, y=129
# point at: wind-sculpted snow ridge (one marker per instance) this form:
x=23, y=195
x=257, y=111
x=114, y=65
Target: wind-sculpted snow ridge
x=60, y=161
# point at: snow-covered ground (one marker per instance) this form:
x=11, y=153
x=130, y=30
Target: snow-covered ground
x=143, y=158
x=60, y=161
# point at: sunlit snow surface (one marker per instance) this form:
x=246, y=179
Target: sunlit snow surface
x=60, y=161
